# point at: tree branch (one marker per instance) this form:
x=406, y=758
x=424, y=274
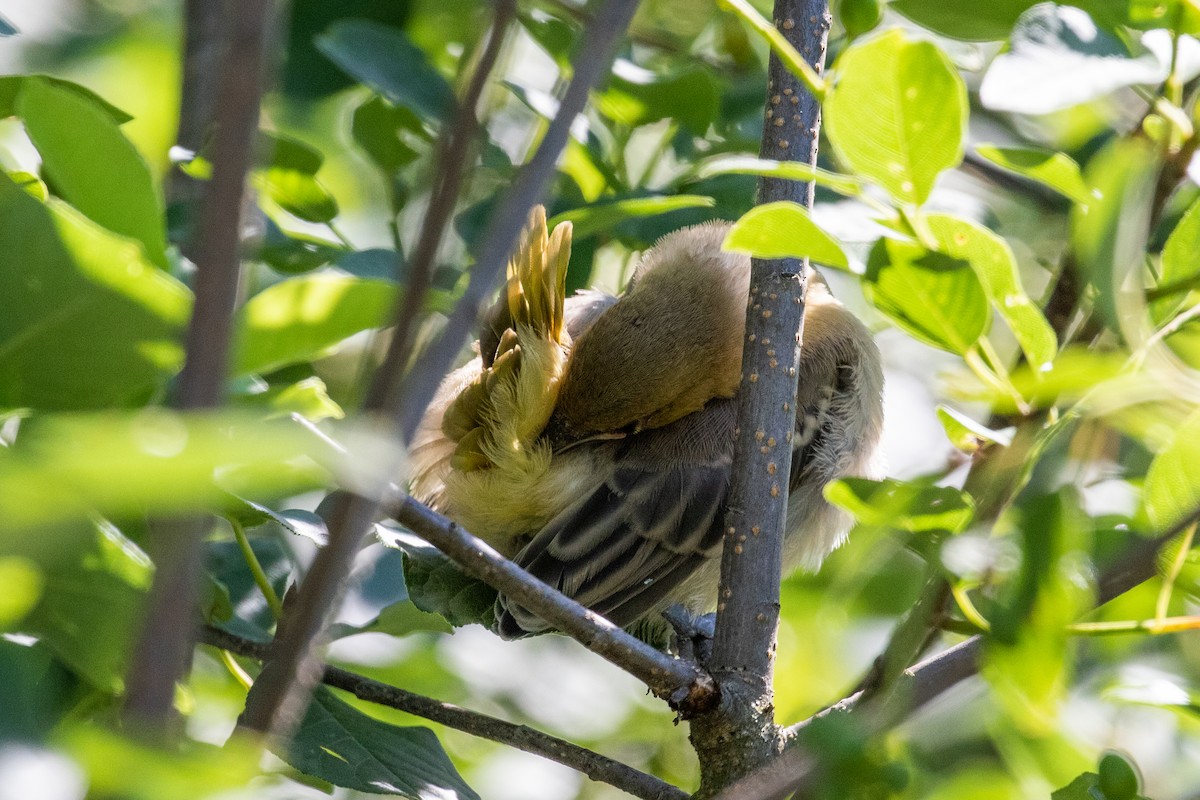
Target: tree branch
x=687, y=689
x=163, y=650
x=751, y=563
x=283, y=689
x=595, y=766
x=794, y=770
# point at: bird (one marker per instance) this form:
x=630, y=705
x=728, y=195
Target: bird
x=591, y=439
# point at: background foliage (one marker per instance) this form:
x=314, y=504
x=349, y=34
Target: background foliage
x=976, y=152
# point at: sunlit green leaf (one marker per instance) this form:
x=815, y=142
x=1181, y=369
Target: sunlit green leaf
x=108, y=180
x=936, y=298
x=302, y=318
x=994, y=263
x=602, y=216
x=75, y=466
x=308, y=398
x=386, y=61
x=87, y=322
x=30, y=183
x=1048, y=167
x=23, y=584
x=1180, y=263
x=901, y=505
x=904, y=131
x=792, y=170
x=776, y=230
x=1172, y=492
x=346, y=747
x=11, y=87
x=966, y=434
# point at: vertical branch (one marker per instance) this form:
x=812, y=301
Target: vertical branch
x=748, y=605
x=163, y=651
x=202, y=44
x=283, y=689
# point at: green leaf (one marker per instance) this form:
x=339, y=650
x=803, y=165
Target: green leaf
x=1119, y=779
x=344, y=746
x=7, y=28
x=144, y=770
x=293, y=253
x=903, y=505
x=300, y=319
x=308, y=398
x=23, y=586
x=120, y=465
x=1172, y=491
x=1109, y=233
x=903, y=131
x=107, y=180
x=554, y=35
x=377, y=126
x=30, y=183
x=783, y=229
x=252, y=616
x=11, y=87
x=436, y=584
x=1058, y=57
x=386, y=61
x=636, y=96
x=398, y=619
x=970, y=22
x=1048, y=167
x=1078, y=789
x=90, y=604
x=936, y=298
x=792, y=170
x=290, y=180
x=597, y=217
x=966, y=434
x=1179, y=261
x=88, y=322
x=996, y=266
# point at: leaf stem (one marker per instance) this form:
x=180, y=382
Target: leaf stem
x=260, y=576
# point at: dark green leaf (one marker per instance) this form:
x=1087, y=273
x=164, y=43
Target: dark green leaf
x=344, y=746
x=252, y=616
x=936, y=298
x=107, y=180
x=436, y=584
x=292, y=253
x=597, y=217
x=383, y=59
x=374, y=263
x=902, y=132
x=376, y=128
x=303, y=318
x=88, y=322
x=637, y=96
x=7, y=28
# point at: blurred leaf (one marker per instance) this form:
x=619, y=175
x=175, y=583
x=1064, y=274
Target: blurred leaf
x=966, y=434
x=983, y=22
x=383, y=59
x=1078, y=789
x=994, y=263
x=7, y=28
x=936, y=298
x=302, y=318
x=1119, y=779
x=306, y=74
x=598, y=217
x=903, y=132
x=859, y=16
x=289, y=180
x=1109, y=234
x=1048, y=167
x=397, y=619
x=374, y=263
x=901, y=505
x=1179, y=261
x=292, y=253
x=23, y=585
x=376, y=128
x=635, y=96
x=107, y=180
x=554, y=35
x=585, y=169
x=120, y=767
x=37, y=691
x=308, y=398
x=781, y=229
x=91, y=604
x=1026, y=660
x=88, y=322
x=1058, y=57
x=436, y=584
x=1172, y=491
x=792, y=170
x=251, y=616
x=30, y=183
x=76, y=466
x=344, y=746
x=11, y=87
x=1073, y=374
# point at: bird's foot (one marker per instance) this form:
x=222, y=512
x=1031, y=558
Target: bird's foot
x=693, y=636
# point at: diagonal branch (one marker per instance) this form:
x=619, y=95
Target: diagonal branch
x=595, y=766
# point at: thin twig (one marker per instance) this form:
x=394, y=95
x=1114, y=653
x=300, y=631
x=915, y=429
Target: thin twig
x=287, y=680
x=595, y=766
x=202, y=45
x=163, y=651
x=686, y=688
